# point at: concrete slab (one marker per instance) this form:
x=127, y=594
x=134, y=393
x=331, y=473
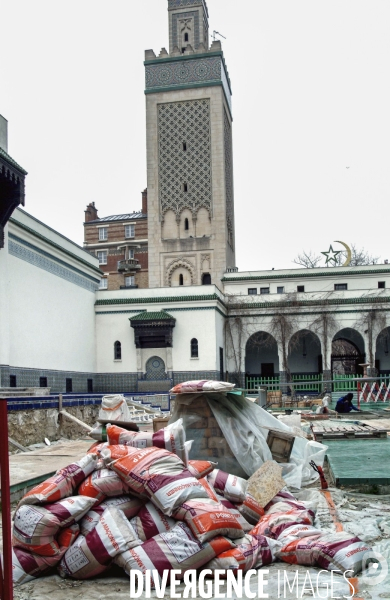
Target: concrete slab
x=30, y=468
x=359, y=462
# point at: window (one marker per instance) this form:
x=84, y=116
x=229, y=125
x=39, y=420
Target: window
x=181, y=279
x=130, y=281
x=206, y=279
x=194, y=348
x=340, y=286
x=252, y=291
x=117, y=351
x=12, y=381
x=381, y=285
x=264, y=290
x=185, y=187
x=103, y=284
x=185, y=146
x=300, y=288
x=129, y=231
x=131, y=252
x=280, y=290
x=103, y=233
x=186, y=225
x=89, y=386
x=68, y=385
x=221, y=373
x=102, y=257
x=43, y=382
x=186, y=39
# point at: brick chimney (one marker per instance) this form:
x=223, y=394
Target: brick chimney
x=145, y=202
x=91, y=213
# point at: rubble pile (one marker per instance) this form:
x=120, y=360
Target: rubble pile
x=138, y=501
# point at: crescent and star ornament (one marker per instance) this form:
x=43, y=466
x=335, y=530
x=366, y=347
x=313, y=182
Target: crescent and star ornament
x=349, y=253
x=331, y=256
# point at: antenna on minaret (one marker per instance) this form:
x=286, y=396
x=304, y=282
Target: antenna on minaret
x=215, y=33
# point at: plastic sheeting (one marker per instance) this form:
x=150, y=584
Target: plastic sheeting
x=245, y=428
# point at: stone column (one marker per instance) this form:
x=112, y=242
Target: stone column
x=169, y=363
x=327, y=376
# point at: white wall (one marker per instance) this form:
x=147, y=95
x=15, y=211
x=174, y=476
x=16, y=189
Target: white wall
x=51, y=321
x=4, y=304
x=199, y=324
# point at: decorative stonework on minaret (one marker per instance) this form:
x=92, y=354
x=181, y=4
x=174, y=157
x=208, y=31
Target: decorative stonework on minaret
x=188, y=24
x=189, y=154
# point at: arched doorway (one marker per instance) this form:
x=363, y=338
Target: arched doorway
x=347, y=352
x=155, y=369
x=261, y=355
x=304, y=354
x=382, y=354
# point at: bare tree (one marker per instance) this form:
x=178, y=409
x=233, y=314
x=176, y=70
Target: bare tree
x=309, y=260
x=372, y=321
x=325, y=325
x=359, y=257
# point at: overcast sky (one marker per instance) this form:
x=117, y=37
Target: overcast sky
x=311, y=107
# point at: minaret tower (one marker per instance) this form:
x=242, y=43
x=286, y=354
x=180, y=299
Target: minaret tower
x=189, y=154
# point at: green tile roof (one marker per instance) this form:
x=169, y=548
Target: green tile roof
x=11, y=161
x=152, y=316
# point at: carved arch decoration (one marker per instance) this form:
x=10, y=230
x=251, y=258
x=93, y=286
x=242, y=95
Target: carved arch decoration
x=180, y=263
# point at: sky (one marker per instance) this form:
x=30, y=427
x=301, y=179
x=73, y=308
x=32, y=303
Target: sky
x=311, y=131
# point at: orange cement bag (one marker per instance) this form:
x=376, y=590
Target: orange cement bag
x=251, y=552
x=26, y=566
x=274, y=524
x=208, y=519
x=35, y=527
x=172, y=438
x=103, y=483
x=91, y=555
x=136, y=467
x=233, y=488
x=150, y=521
x=176, y=549
x=251, y=509
x=63, y=484
x=200, y=468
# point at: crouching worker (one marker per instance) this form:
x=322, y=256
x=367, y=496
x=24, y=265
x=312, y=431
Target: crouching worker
x=344, y=404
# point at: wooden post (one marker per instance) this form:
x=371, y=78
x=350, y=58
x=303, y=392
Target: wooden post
x=7, y=587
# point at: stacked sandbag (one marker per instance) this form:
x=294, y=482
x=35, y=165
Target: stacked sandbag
x=62, y=484
x=251, y=552
x=92, y=555
x=151, y=521
x=129, y=505
x=36, y=527
x=154, y=473
x=27, y=565
x=172, y=438
x=177, y=549
x=234, y=488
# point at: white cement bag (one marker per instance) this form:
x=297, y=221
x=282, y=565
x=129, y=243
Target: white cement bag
x=114, y=408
